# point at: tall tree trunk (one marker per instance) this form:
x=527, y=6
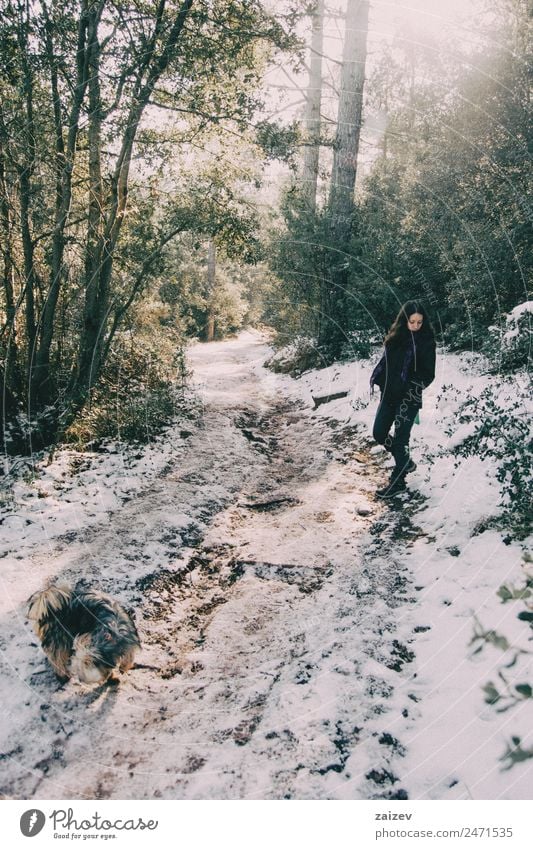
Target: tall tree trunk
x=96, y=299
x=65, y=153
x=312, y=109
x=343, y=177
x=211, y=283
x=9, y=331
x=346, y=147
x=26, y=170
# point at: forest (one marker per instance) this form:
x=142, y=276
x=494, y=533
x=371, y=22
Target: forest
x=174, y=171
x=211, y=212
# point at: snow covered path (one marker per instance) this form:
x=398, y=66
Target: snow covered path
x=277, y=609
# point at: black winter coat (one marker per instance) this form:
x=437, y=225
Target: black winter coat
x=405, y=370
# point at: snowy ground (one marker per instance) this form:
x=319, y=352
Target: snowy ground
x=300, y=639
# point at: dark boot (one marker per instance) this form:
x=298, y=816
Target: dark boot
x=394, y=486
x=403, y=464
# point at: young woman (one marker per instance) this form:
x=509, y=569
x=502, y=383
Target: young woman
x=406, y=368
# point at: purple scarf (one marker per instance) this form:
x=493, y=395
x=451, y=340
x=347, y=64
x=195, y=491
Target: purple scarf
x=409, y=358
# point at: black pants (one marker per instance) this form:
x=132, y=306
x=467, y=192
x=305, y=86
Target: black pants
x=402, y=416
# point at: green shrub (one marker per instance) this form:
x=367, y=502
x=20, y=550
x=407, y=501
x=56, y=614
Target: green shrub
x=503, y=433
x=137, y=395
x=360, y=344
x=296, y=358
x=509, y=346
x=504, y=694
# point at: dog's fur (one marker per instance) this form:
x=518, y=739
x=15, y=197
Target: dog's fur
x=83, y=633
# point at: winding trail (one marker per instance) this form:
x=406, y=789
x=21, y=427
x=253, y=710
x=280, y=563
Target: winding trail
x=277, y=623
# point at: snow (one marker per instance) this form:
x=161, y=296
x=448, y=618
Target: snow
x=300, y=639
x=520, y=310
x=512, y=321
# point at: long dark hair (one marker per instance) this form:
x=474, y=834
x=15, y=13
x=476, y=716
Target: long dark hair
x=400, y=333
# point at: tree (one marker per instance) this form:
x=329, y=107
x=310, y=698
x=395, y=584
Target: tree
x=93, y=76
x=312, y=109
x=211, y=283
x=313, y=255
x=445, y=215
x=346, y=146
x=343, y=177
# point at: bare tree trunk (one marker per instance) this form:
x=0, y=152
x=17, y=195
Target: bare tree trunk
x=349, y=113
x=211, y=282
x=341, y=198
x=26, y=169
x=64, y=161
x=312, y=109
x=96, y=299
x=8, y=275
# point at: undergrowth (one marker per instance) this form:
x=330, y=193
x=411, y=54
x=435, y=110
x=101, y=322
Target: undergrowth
x=502, y=431
x=509, y=690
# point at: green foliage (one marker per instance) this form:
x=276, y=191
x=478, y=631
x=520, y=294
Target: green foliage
x=491, y=638
x=444, y=214
x=508, y=696
x=360, y=344
x=279, y=142
x=509, y=594
x=320, y=278
x=184, y=288
x=122, y=126
x=502, y=432
x=299, y=356
x=515, y=754
x=142, y=385
x=509, y=346
x=505, y=695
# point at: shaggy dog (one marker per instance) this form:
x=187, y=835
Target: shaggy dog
x=83, y=633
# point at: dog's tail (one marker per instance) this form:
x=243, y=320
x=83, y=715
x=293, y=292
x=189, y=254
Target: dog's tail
x=47, y=602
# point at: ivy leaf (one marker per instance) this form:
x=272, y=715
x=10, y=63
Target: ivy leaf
x=497, y=640
x=491, y=694
x=505, y=593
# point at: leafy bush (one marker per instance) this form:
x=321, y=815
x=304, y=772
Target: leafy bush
x=139, y=390
x=186, y=294
x=296, y=358
x=502, y=432
x=134, y=400
x=509, y=347
x=464, y=336
x=505, y=694
x=360, y=344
